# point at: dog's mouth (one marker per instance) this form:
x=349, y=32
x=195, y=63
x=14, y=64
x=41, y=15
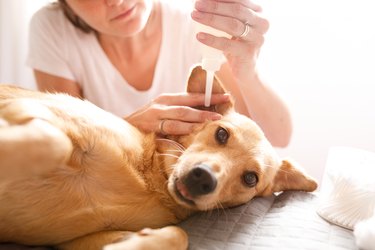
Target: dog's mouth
x=182, y=193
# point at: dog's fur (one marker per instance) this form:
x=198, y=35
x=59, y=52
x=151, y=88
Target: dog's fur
x=77, y=177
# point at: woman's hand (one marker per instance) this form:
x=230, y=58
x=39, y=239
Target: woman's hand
x=242, y=20
x=174, y=113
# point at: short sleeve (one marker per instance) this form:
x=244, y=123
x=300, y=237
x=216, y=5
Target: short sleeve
x=47, y=44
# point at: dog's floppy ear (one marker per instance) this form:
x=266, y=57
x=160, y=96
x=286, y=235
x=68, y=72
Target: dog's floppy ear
x=291, y=177
x=197, y=84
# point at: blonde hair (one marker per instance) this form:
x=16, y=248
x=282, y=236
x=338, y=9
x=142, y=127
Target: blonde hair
x=73, y=18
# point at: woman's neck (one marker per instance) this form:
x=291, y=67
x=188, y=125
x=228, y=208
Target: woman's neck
x=130, y=47
x=136, y=57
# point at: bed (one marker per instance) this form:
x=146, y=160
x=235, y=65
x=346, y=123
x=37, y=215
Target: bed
x=285, y=221
x=288, y=220
x=299, y=220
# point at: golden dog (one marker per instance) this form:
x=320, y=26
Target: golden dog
x=76, y=177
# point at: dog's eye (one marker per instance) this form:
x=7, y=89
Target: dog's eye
x=221, y=135
x=250, y=179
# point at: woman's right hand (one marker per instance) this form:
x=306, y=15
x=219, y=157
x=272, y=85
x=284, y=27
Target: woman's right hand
x=173, y=114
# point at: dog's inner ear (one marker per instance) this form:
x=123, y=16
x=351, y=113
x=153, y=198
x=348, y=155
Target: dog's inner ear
x=197, y=84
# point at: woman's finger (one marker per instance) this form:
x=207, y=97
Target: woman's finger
x=190, y=99
x=246, y=3
x=228, y=9
x=233, y=47
x=188, y=114
x=231, y=24
x=215, y=4
x=233, y=9
x=175, y=127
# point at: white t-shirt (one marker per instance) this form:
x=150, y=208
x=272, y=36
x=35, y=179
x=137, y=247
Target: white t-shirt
x=57, y=47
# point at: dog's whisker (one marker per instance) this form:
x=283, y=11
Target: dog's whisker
x=165, y=154
x=166, y=168
x=174, y=143
x=169, y=167
x=220, y=207
x=175, y=150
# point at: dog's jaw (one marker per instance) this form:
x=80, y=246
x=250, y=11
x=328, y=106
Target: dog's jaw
x=181, y=193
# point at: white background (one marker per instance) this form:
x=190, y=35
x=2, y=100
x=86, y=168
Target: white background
x=319, y=55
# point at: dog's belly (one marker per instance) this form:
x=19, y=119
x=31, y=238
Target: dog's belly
x=51, y=213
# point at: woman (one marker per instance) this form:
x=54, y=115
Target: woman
x=132, y=58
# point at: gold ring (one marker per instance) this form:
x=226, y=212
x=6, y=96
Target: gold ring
x=245, y=31
x=161, y=127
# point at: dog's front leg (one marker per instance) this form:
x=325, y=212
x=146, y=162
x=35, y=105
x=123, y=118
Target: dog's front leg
x=31, y=148
x=167, y=238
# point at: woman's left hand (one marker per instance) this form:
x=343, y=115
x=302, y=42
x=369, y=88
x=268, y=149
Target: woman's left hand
x=242, y=20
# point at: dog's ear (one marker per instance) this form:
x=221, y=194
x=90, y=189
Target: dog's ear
x=197, y=84
x=290, y=177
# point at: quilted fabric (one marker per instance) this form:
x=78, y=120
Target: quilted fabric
x=287, y=221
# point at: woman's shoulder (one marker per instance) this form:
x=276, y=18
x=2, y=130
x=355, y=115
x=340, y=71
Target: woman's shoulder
x=50, y=14
x=51, y=20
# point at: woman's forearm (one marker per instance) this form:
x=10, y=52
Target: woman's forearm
x=257, y=100
x=267, y=109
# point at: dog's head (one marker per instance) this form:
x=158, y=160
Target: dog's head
x=228, y=162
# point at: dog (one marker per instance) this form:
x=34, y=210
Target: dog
x=74, y=176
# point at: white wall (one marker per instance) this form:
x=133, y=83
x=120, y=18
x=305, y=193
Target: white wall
x=319, y=54
x=14, y=18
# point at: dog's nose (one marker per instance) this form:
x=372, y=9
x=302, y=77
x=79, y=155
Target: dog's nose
x=200, y=180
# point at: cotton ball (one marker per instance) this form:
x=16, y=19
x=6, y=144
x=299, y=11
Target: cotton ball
x=364, y=232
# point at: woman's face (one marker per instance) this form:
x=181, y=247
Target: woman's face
x=113, y=17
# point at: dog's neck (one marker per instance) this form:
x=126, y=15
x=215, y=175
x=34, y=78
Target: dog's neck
x=155, y=170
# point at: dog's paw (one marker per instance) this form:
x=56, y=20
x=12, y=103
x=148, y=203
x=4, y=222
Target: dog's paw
x=170, y=237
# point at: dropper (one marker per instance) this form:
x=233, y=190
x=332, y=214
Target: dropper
x=210, y=65
x=208, y=93
x=211, y=58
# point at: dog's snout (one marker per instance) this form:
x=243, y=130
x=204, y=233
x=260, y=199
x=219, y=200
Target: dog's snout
x=200, y=180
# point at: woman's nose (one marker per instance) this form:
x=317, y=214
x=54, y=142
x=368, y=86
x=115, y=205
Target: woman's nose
x=113, y=2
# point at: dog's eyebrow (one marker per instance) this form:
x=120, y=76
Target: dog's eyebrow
x=234, y=125
x=229, y=122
